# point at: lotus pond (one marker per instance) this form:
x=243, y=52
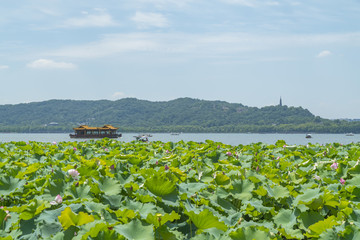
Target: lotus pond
x=108, y=189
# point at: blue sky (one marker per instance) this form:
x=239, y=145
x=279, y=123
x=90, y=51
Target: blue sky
x=240, y=51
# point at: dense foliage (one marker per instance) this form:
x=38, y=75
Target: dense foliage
x=108, y=189
x=180, y=115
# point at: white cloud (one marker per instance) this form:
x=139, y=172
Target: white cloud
x=146, y=20
x=4, y=67
x=324, y=53
x=197, y=44
x=110, y=45
x=117, y=95
x=50, y=64
x=100, y=19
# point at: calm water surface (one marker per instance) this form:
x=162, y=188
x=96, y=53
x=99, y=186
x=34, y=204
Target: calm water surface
x=227, y=138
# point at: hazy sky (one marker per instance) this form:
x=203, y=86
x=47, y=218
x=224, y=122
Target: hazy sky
x=240, y=51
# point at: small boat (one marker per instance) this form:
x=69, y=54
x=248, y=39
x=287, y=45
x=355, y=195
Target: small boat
x=174, y=133
x=84, y=131
x=349, y=134
x=308, y=136
x=143, y=137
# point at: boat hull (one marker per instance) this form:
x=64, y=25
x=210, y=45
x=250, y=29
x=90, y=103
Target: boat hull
x=96, y=136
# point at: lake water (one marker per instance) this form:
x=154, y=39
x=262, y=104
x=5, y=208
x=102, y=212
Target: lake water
x=227, y=138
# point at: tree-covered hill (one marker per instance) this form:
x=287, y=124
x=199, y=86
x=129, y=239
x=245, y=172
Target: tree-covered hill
x=183, y=114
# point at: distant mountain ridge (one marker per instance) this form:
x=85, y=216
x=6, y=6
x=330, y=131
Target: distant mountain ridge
x=131, y=114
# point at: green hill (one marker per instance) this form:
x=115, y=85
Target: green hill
x=183, y=114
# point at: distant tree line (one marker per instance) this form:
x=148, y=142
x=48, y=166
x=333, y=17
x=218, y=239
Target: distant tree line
x=179, y=115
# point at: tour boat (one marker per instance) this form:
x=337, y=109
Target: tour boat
x=84, y=131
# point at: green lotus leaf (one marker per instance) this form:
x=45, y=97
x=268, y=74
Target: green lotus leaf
x=135, y=230
x=124, y=214
x=261, y=225
x=96, y=207
x=164, y=232
x=223, y=204
x=191, y=188
x=50, y=229
x=205, y=219
x=321, y=226
x=290, y=233
x=114, y=201
x=211, y=234
x=10, y=184
x=331, y=200
x=278, y=191
x=135, y=160
x=222, y=179
x=261, y=191
x=91, y=229
x=309, y=218
x=255, y=204
x=160, y=185
x=351, y=232
x=144, y=198
x=143, y=209
x=33, y=209
x=68, y=218
x=29, y=170
x=160, y=219
x=249, y=233
x=28, y=228
x=109, y=186
x=285, y=218
x=80, y=192
x=242, y=189
x=214, y=156
x=329, y=234
x=52, y=215
x=355, y=181
x=355, y=169
x=308, y=196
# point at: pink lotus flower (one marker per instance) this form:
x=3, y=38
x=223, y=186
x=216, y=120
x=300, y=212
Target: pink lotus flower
x=106, y=150
x=166, y=167
x=167, y=151
x=73, y=173
x=75, y=148
x=342, y=181
x=58, y=200
x=334, y=166
x=228, y=153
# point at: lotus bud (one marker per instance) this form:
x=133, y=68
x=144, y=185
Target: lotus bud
x=342, y=181
x=334, y=166
x=73, y=173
